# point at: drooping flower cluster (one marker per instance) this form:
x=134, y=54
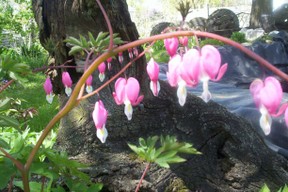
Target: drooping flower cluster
x=189, y=68
x=267, y=96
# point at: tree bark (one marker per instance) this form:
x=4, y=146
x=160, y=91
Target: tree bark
x=259, y=8
x=234, y=157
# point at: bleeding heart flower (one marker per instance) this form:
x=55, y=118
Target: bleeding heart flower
x=100, y=117
x=184, y=41
x=171, y=45
x=130, y=52
x=210, y=67
x=89, y=87
x=120, y=57
x=135, y=51
x=102, y=68
x=126, y=92
x=109, y=60
x=172, y=73
x=67, y=82
x=153, y=72
x=49, y=90
x=267, y=96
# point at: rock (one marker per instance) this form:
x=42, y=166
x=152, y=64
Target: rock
x=281, y=17
x=198, y=23
x=158, y=28
x=223, y=22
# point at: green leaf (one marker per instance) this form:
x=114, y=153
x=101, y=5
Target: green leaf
x=75, y=49
x=151, y=141
x=5, y=104
x=4, y=144
x=18, y=144
x=100, y=37
x=42, y=168
x=6, y=121
x=84, y=43
x=58, y=189
x=265, y=188
x=73, y=41
x=95, y=187
x=162, y=163
x=283, y=189
x=34, y=186
x=7, y=169
x=142, y=142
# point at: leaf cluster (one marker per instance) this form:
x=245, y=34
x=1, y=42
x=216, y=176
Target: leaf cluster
x=96, y=45
x=49, y=164
x=166, y=153
x=11, y=68
x=265, y=188
x=238, y=37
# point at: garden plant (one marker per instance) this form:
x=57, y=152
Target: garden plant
x=27, y=155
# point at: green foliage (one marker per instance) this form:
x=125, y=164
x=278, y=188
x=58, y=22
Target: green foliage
x=48, y=164
x=184, y=7
x=11, y=68
x=265, y=188
x=238, y=37
x=97, y=45
x=157, y=52
x=166, y=153
x=211, y=42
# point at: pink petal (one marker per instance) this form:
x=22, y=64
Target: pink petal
x=255, y=88
x=221, y=72
x=120, y=90
x=132, y=89
x=286, y=116
x=184, y=41
x=171, y=45
x=99, y=115
x=66, y=79
x=173, y=71
x=138, y=101
x=190, y=68
x=89, y=80
x=271, y=94
x=102, y=67
x=211, y=60
x=48, y=86
x=153, y=70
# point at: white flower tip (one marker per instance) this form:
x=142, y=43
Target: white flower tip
x=49, y=98
x=102, y=134
x=182, y=94
x=265, y=123
x=206, y=96
x=89, y=89
x=68, y=91
x=101, y=76
x=128, y=111
x=155, y=88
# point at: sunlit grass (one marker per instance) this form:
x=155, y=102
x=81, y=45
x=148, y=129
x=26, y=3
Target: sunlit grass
x=33, y=95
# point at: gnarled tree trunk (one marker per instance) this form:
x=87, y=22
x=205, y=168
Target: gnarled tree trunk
x=234, y=157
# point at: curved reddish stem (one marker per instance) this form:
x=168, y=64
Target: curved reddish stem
x=108, y=24
x=142, y=177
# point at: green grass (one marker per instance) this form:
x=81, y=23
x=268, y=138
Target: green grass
x=33, y=95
